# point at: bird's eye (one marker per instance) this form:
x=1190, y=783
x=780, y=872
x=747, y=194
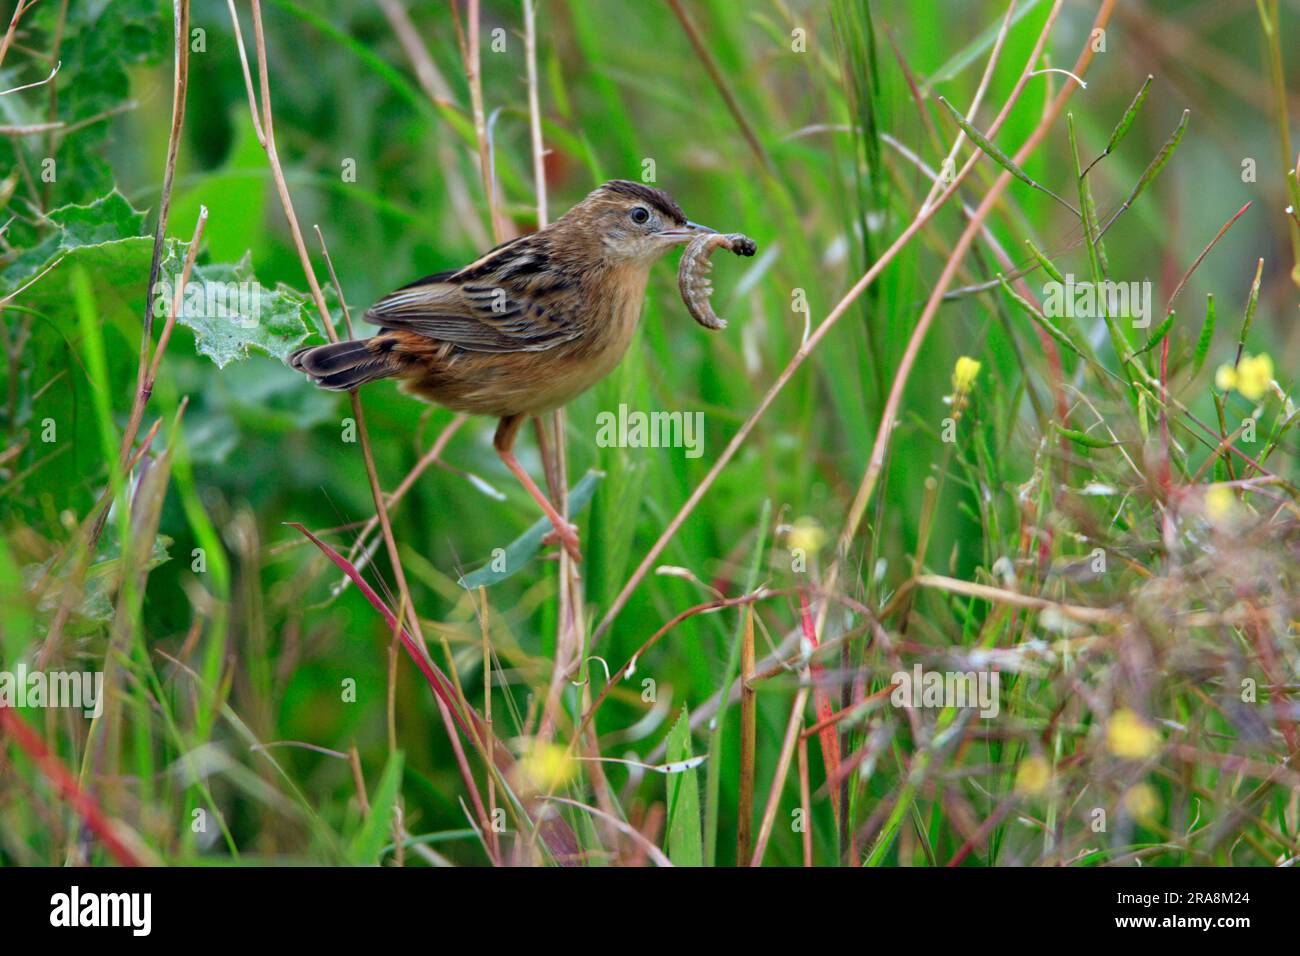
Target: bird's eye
x=640, y=214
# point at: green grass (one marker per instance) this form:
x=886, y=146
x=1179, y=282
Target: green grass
x=1090, y=515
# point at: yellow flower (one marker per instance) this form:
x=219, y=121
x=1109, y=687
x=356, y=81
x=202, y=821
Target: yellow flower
x=1220, y=503
x=1252, y=376
x=963, y=374
x=1130, y=737
x=1142, y=803
x=548, y=767
x=1033, y=776
x=807, y=535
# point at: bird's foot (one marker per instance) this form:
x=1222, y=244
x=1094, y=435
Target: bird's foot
x=566, y=535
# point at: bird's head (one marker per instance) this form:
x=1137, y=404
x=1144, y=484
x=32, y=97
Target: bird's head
x=633, y=222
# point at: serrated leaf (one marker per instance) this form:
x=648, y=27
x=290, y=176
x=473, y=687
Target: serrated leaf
x=110, y=224
x=225, y=306
x=231, y=313
x=98, y=42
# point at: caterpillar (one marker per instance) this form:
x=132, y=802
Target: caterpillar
x=693, y=273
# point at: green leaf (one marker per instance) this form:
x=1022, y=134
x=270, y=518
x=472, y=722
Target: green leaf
x=1153, y=168
x=375, y=831
x=225, y=306
x=1122, y=127
x=231, y=313
x=102, y=224
x=1083, y=438
x=1206, y=338
x=685, y=840
x=1048, y=265
x=99, y=42
x=519, y=551
x=1158, y=335
x=1251, y=302
x=104, y=242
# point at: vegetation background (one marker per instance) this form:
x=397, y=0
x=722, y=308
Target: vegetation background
x=260, y=711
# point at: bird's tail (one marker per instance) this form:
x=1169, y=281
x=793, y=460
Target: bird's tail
x=343, y=366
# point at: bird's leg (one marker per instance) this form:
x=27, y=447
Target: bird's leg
x=504, y=442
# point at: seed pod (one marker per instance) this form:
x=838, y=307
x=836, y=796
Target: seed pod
x=693, y=273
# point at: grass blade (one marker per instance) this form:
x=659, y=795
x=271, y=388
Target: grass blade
x=685, y=841
x=371, y=838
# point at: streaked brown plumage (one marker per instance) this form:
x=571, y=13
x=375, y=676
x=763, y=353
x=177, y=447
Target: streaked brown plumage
x=524, y=328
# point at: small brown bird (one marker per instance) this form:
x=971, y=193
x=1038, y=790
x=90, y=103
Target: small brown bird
x=524, y=328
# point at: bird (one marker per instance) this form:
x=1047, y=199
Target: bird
x=524, y=328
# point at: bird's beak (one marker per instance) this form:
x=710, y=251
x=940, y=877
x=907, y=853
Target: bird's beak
x=685, y=234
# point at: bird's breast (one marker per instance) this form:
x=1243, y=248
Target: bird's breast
x=578, y=365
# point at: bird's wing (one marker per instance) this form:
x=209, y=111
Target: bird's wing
x=501, y=302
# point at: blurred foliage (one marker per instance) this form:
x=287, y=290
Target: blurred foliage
x=246, y=636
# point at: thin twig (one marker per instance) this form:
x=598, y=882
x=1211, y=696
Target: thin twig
x=19, y=9
x=180, y=82
x=473, y=73
x=782, y=769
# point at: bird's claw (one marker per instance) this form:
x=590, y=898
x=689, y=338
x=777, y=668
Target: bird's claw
x=566, y=535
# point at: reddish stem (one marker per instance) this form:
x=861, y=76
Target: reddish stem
x=66, y=784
